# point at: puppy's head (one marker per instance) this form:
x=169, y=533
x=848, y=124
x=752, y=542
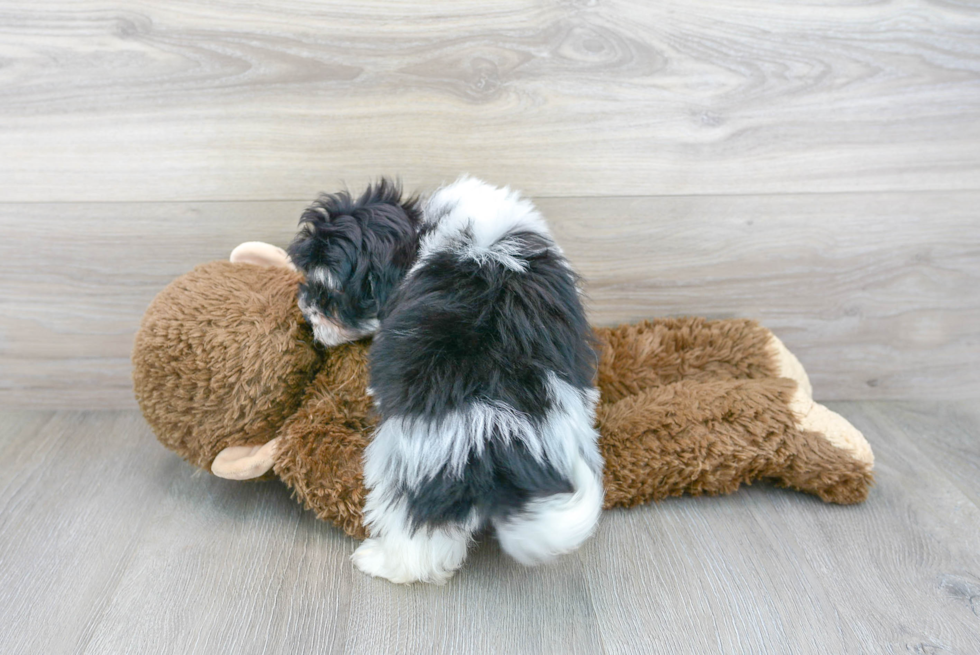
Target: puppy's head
x=354, y=254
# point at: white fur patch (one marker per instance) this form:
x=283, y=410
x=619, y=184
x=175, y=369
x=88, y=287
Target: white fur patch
x=407, y=451
x=329, y=333
x=393, y=552
x=473, y=219
x=568, y=432
x=555, y=525
x=322, y=276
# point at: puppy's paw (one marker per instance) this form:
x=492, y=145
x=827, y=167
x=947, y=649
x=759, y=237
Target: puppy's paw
x=373, y=558
x=369, y=558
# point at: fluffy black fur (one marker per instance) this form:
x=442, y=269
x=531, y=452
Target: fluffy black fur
x=457, y=332
x=366, y=245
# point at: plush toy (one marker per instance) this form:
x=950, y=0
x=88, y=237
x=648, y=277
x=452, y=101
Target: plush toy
x=227, y=374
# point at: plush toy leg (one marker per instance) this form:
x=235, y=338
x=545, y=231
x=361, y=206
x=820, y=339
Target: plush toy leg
x=813, y=417
x=261, y=254
x=654, y=353
x=787, y=365
x=696, y=438
x=245, y=462
x=321, y=463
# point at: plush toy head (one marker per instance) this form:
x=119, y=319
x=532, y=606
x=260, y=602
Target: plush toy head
x=228, y=375
x=224, y=357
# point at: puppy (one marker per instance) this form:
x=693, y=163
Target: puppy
x=354, y=254
x=482, y=373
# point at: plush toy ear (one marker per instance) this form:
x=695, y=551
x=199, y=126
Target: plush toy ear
x=245, y=462
x=262, y=254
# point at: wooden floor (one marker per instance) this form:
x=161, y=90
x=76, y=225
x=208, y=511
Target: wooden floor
x=110, y=544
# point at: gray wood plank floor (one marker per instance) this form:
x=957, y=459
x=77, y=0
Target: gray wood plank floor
x=110, y=544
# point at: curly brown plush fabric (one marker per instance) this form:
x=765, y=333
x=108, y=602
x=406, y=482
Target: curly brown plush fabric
x=710, y=437
x=323, y=444
x=654, y=353
x=688, y=406
x=691, y=406
x=222, y=358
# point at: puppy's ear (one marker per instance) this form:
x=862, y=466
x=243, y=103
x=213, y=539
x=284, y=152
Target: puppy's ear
x=395, y=227
x=329, y=233
x=366, y=245
x=385, y=279
x=302, y=249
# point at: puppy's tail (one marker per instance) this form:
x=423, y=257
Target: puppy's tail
x=558, y=524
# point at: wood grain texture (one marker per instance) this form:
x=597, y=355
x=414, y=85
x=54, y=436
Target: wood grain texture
x=878, y=294
x=110, y=544
x=215, y=100
x=955, y=448
x=76, y=279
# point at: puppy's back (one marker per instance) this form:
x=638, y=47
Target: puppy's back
x=483, y=370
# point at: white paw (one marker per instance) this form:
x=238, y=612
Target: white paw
x=369, y=558
x=373, y=558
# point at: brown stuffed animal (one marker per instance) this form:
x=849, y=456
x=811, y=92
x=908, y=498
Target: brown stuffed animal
x=228, y=376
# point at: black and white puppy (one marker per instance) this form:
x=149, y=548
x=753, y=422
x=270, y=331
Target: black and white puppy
x=354, y=254
x=482, y=371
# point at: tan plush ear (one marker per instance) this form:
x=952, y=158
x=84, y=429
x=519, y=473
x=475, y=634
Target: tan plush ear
x=262, y=254
x=245, y=462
